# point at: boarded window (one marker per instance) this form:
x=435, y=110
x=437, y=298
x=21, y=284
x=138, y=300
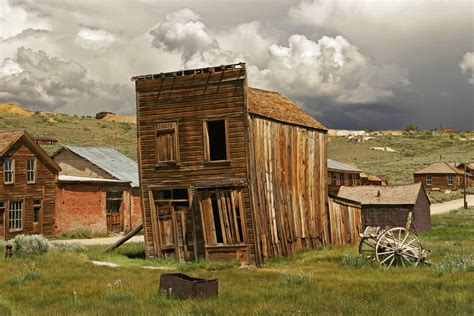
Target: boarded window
x=31, y=171
x=36, y=210
x=9, y=171
x=338, y=179
x=450, y=180
x=15, y=215
x=429, y=180
x=216, y=140
x=113, y=202
x=346, y=179
x=222, y=217
x=166, y=143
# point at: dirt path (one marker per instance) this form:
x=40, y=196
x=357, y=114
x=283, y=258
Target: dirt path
x=99, y=241
x=442, y=208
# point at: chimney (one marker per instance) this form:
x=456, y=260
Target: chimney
x=378, y=193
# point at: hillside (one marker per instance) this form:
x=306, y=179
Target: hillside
x=413, y=150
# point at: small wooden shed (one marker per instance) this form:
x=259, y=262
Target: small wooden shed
x=228, y=171
x=27, y=187
x=389, y=206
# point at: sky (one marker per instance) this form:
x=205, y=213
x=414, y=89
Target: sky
x=351, y=64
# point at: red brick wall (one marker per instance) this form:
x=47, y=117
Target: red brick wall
x=82, y=206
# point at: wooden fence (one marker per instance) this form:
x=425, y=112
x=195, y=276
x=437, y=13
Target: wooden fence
x=345, y=221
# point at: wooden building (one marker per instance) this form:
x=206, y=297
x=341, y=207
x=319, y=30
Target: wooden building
x=228, y=171
x=97, y=190
x=27, y=187
x=389, y=206
x=340, y=174
x=469, y=172
x=440, y=176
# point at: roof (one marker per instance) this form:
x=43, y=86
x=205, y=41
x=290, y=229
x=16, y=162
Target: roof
x=8, y=139
x=109, y=160
x=439, y=168
x=336, y=165
x=65, y=178
x=406, y=194
x=275, y=106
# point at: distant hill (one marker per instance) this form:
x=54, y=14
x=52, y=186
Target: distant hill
x=14, y=109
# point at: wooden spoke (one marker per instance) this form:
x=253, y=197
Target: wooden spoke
x=398, y=247
x=367, y=249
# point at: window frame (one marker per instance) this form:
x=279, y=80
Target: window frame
x=107, y=199
x=429, y=179
x=17, y=219
x=175, y=131
x=338, y=179
x=28, y=171
x=12, y=171
x=207, y=149
x=38, y=206
x=450, y=180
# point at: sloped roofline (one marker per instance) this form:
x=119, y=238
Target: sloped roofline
x=45, y=158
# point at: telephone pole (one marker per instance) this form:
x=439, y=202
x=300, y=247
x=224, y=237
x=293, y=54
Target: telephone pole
x=465, y=185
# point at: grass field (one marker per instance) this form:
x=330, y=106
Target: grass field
x=328, y=281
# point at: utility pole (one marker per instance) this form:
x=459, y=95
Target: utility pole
x=465, y=185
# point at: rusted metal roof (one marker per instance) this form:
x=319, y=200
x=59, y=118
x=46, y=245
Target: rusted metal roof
x=439, y=168
x=109, y=160
x=339, y=166
x=406, y=194
x=275, y=106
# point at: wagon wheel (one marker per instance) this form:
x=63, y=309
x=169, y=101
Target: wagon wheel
x=398, y=247
x=367, y=248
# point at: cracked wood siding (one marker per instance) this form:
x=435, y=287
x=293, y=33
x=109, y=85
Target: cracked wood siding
x=345, y=222
x=188, y=101
x=289, y=179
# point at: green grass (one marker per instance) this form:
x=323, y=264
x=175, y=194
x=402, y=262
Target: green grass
x=413, y=152
x=75, y=130
x=328, y=281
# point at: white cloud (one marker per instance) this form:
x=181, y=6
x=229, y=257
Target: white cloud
x=95, y=39
x=15, y=19
x=467, y=66
x=330, y=68
x=41, y=82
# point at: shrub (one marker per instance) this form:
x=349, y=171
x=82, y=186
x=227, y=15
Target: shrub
x=293, y=280
x=80, y=233
x=67, y=247
x=463, y=262
x=27, y=245
x=352, y=261
x=27, y=273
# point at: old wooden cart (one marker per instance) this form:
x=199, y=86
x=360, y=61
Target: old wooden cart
x=393, y=247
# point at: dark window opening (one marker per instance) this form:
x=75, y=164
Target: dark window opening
x=113, y=202
x=216, y=132
x=217, y=219
x=36, y=210
x=239, y=224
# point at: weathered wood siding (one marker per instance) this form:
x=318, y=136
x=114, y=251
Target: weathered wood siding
x=189, y=100
x=345, y=223
x=43, y=188
x=440, y=181
x=289, y=186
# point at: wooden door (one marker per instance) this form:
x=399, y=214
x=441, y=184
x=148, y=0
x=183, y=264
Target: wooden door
x=114, y=210
x=172, y=228
x=114, y=222
x=2, y=223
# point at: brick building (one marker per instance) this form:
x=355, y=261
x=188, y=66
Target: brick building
x=440, y=176
x=389, y=206
x=97, y=190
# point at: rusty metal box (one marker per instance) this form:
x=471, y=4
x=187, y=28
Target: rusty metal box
x=179, y=285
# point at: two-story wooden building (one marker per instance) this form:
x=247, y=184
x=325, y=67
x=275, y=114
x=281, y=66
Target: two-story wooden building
x=228, y=171
x=340, y=174
x=27, y=187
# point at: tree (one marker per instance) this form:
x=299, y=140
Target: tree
x=411, y=128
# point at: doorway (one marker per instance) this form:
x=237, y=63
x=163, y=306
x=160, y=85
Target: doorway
x=114, y=212
x=172, y=207
x=2, y=220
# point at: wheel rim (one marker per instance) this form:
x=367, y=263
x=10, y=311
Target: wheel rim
x=367, y=249
x=398, y=247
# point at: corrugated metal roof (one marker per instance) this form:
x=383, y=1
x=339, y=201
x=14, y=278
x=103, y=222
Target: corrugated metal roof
x=111, y=161
x=382, y=195
x=336, y=165
x=65, y=178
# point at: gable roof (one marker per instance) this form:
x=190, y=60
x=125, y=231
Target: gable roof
x=275, y=106
x=109, y=160
x=9, y=139
x=339, y=166
x=405, y=194
x=439, y=168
